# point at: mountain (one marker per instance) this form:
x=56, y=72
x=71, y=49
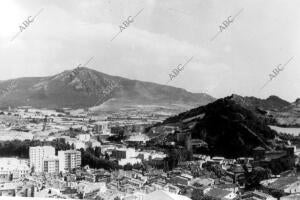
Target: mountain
x=84, y=87
x=228, y=128
x=288, y=116
x=293, y=107
x=272, y=103
x=274, y=110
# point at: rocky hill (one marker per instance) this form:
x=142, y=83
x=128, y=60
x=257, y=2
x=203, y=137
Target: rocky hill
x=272, y=103
x=84, y=87
x=228, y=128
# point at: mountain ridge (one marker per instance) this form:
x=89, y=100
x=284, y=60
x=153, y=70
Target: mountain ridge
x=228, y=128
x=83, y=87
x=270, y=103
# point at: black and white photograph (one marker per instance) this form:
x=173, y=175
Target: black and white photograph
x=150, y=99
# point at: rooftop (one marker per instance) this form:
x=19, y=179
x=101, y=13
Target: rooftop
x=283, y=182
x=160, y=194
x=217, y=193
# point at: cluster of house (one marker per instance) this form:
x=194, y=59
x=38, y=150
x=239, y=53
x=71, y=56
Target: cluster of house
x=48, y=173
x=42, y=159
x=132, y=156
x=62, y=176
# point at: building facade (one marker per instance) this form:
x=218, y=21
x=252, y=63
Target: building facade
x=51, y=165
x=37, y=156
x=13, y=168
x=69, y=160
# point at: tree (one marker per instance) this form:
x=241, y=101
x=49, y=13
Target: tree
x=277, y=194
x=128, y=167
x=197, y=194
x=106, y=156
x=254, y=178
x=90, y=159
x=98, y=152
x=91, y=150
x=137, y=166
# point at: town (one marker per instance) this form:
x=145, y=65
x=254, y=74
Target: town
x=149, y=100
x=66, y=154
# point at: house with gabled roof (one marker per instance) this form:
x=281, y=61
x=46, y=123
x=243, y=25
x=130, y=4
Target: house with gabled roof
x=219, y=194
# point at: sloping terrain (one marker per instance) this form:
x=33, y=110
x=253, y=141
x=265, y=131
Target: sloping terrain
x=272, y=103
x=289, y=116
x=83, y=87
x=274, y=110
x=227, y=127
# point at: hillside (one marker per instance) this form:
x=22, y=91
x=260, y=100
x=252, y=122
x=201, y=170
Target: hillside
x=289, y=116
x=272, y=103
x=227, y=127
x=274, y=110
x=84, y=87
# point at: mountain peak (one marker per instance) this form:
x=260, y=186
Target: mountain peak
x=274, y=98
x=297, y=101
x=228, y=129
x=271, y=103
x=235, y=97
x=83, y=87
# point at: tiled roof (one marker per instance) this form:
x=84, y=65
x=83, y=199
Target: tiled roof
x=223, y=186
x=217, y=193
x=291, y=197
x=283, y=182
x=163, y=195
x=259, y=148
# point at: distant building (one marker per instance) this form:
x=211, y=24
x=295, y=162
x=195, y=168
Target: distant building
x=160, y=194
x=219, y=194
x=76, y=143
x=138, y=139
x=272, y=159
x=283, y=185
x=51, y=165
x=90, y=190
x=83, y=137
x=123, y=153
x=237, y=173
x=69, y=160
x=203, y=182
x=291, y=197
x=93, y=143
x=13, y=168
x=181, y=180
x=101, y=128
x=8, y=189
x=131, y=161
x=257, y=196
x=218, y=160
x=37, y=156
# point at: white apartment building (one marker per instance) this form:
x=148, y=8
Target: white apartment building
x=69, y=160
x=51, y=165
x=37, y=156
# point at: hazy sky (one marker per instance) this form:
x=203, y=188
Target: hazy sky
x=165, y=34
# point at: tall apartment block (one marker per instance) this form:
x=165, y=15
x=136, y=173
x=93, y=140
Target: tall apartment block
x=37, y=156
x=69, y=160
x=51, y=165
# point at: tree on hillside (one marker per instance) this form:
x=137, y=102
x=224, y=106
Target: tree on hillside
x=254, y=178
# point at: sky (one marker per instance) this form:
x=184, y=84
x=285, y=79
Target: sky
x=164, y=35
